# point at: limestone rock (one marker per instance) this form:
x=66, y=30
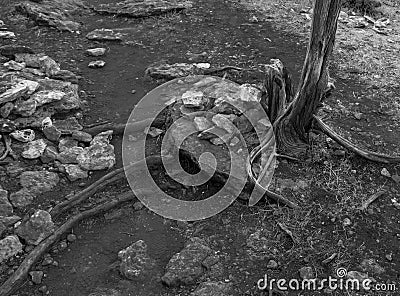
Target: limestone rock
x=67, y=143
x=105, y=292
x=52, y=133
x=135, y=261
x=38, y=182
x=54, y=13
x=34, y=149
x=70, y=155
x=6, y=208
x=49, y=155
x=81, y=136
x=213, y=288
x=96, y=52
x=9, y=246
x=105, y=35
x=186, y=267
x=25, y=136
x=99, y=155
x=36, y=276
x=36, y=228
x=74, y=172
x=6, y=109
x=21, y=198
x=134, y=9
x=68, y=126
x=97, y=64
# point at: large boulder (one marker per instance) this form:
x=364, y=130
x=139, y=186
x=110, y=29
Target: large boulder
x=213, y=289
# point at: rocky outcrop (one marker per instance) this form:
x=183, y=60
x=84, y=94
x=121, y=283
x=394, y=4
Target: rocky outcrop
x=135, y=9
x=53, y=13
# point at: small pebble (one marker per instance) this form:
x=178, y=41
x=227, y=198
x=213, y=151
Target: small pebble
x=133, y=91
x=272, y=264
x=71, y=237
x=346, y=222
x=63, y=245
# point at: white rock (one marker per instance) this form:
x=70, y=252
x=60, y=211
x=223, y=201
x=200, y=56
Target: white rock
x=25, y=136
x=385, y=172
x=9, y=246
x=34, y=149
x=7, y=34
x=97, y=64
x=13, y=65
x=96, y=52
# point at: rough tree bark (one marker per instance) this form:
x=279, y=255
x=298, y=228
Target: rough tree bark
x=291, y=128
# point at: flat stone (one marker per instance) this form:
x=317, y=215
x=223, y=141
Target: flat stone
x=105, y=292
x=68, y=126
x=38, y=182
x=67, y=143
x=102, y=138
x=134, y=260
x=13, y=65
x=81, y=136
x=34, y=149
x=21, y=198
x=6, y=109
x=74, y=172
x=97, y=64
x=6, y=208
x=202, y=123
x=47, y=96
x=9, y=247
x=25, y=108
x=185, y=267
x=19, y=89
x=52, y=133
x=55, y=13
x=49, y=155
x=11, y=50
x=7, y=35
x=36, y=228
x=36, y=276
x=97, y=157
x=25, y=136
x=213, y=288
x=134, y=9
x=105, y=35
x=69, y=155
x=96, y=52
x=10, y=220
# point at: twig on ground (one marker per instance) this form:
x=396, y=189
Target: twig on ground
x=347, y=144
x=370, y=200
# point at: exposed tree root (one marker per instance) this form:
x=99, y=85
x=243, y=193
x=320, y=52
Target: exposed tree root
x=377, y=157
x=20, y=275
x=114, y=176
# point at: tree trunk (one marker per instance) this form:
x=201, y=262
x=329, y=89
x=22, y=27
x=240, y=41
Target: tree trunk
x=292, y=127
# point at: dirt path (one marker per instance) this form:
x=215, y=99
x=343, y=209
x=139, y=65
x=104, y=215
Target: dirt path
x=246, y=239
